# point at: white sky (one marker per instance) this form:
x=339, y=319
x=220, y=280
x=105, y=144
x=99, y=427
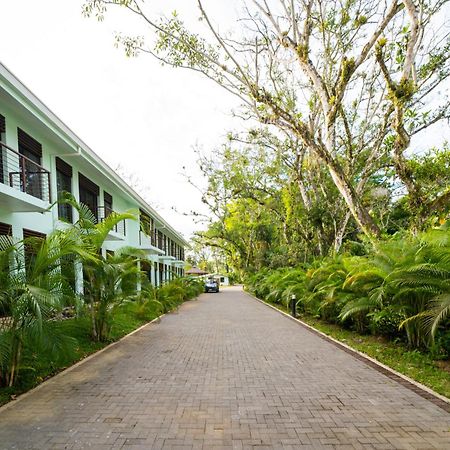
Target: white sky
x=131, y=111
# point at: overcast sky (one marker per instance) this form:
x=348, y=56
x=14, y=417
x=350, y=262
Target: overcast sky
x=131, y=111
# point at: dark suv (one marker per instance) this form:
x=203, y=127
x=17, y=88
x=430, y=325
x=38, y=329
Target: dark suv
x=211, y=286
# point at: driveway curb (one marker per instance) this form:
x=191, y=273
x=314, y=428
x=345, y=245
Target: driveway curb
x=420, y=389
x=74, y=366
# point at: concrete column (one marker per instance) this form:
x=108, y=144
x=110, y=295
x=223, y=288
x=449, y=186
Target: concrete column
x=152, y=273
x=158, y=280
x=53, y=187
x=75, y=193
x=138, y=283
x=79, y=287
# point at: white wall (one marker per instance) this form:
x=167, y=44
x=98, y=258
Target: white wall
x=53, y=145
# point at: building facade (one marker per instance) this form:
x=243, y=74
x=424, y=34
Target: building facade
x=40, y=157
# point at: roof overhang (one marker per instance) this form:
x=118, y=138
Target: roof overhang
x=20, y=93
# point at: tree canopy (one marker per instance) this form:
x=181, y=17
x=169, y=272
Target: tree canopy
x=335, y=93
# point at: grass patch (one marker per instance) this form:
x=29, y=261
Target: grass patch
x=39, y=365
x=419, y=366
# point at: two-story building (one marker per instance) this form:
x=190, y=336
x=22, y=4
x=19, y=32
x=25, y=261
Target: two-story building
x=40, y=157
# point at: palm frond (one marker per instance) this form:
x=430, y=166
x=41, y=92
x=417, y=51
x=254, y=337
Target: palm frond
x=357, y=306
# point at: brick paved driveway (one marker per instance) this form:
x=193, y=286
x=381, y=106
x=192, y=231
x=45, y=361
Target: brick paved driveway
x=226, y=372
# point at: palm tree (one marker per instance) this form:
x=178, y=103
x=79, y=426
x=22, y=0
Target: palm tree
x=110, y=282
x=31, y=292
x=424, y=286
x=106, y=279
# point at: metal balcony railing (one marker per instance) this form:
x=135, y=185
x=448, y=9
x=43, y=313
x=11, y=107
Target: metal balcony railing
x=23, y=174
x=105, y=211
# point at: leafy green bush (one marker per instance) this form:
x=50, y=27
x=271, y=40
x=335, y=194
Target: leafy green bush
x=401, y=289
x=444, y=342
x=387, y=321
x=169, y=295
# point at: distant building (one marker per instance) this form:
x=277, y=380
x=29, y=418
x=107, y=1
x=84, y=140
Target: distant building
x=41, y=157
x=222, y=279
x=196, y=272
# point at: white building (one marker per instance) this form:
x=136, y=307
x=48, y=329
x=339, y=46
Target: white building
x=40, y=157
x=222, y=279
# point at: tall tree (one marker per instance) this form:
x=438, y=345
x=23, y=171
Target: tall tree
x=307, y=66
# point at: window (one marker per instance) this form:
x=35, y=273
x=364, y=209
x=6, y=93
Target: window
x=31, y=182
x=161, y=273
x=108, y=203
x=147, y=224
x=146, y=268
x=5, y=229
x=89, y=194
x=64, y=184
x=31, y=248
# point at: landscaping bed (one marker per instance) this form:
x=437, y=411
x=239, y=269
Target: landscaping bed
x=40, y=365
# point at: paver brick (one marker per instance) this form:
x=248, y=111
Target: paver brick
x=226, y=372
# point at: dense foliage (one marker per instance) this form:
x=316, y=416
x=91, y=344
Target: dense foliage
x=37, y=285
x=400, y=290
x=269, y=212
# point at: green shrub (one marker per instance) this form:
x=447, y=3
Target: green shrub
x=399, y=290
x=387, y=322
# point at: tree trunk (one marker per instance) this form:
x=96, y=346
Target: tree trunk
x=15, y=360
x=359, y=212
x=308, y=205
x=339, y=236
x=94, y=327
x=351, y=198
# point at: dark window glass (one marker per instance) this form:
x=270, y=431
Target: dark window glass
x=89, y=192
x=31, y=247
x=32, y=150
x=5, y=229
x=108, y=202
x=64, y=184
x=90, y=200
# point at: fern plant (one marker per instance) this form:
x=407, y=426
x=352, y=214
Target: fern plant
x=424, y=286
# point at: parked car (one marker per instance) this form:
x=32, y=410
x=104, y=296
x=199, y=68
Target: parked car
x=211, y=286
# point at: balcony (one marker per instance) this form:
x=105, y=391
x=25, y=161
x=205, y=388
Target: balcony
x=24, y=184
x=166, y=258
x=118, y=233
x=145, y=243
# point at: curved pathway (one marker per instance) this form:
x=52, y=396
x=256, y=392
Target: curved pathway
x=225, y=372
